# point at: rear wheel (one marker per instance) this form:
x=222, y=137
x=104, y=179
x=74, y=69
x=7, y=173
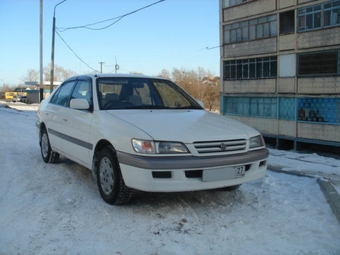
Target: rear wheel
x=110, y=182
x=47, y=154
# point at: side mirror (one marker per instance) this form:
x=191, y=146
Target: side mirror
x=79, y=104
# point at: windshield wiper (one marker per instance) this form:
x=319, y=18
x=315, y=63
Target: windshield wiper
x=162, y=107
x=147, y=107
x=189, y=107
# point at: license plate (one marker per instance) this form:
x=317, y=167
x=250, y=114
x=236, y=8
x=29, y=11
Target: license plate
x=240, y=171
x=223, y=173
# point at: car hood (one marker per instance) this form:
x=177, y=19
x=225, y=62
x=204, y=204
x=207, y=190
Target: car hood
x=185, y=125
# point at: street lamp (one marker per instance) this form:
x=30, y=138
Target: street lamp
x=52, y=52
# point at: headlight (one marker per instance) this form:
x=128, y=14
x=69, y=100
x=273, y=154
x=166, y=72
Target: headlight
x=154, y=147
x=171, y=147
x=256, y=141
x=143, y=146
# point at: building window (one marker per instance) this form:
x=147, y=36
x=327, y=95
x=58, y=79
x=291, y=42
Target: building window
x=287, y=22
x=256, y=68
x=250, y=30
x=287, y=108
x=326, y=110
x=319, y=16
x=230, y=3
x=257, y=107
x=321, y=63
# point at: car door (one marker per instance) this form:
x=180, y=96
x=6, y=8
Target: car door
x=56, y=114
x=76, y=125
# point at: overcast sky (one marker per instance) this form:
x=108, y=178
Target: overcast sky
x=168, y=34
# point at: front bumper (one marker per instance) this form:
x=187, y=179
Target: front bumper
x=172, y=174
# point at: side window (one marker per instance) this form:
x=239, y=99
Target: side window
x=83, y=90
x=55, y=97
x=62, y=96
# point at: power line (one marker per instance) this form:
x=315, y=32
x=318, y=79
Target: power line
x=214, y=47
x=76, y=54
x=115, y=18
x=210, y=48
x=87, y=27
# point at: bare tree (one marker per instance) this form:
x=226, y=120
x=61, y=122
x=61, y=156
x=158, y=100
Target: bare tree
x=186, y=80
x=60, y=73
x=7, y=88
x=211, y=93
x=164, y=74
x=32, y=75
x=135, y=72
x=200, y=84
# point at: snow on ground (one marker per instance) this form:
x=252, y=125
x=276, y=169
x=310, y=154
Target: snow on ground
x=308, y=163
x=56, y=209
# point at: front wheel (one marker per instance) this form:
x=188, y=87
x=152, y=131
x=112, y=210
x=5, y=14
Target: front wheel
x=110, y=182
x=47, y=154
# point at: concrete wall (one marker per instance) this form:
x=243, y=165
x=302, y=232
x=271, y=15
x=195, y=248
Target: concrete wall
x=266, y=126
x=291, y=128
x=250, y=48
x=286, y=85
x=270, y=126
x=305, y=1
x=285, y=3
x=319, y=38
x=250, y=86
x=249, y=9
x=319, y=132
x=287, y=128
x=287, y=42
x=321, y=85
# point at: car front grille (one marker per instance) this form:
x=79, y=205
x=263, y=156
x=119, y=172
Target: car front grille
x=226, y=147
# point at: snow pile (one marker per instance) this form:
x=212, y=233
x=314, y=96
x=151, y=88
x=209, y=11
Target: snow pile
x=4, y=106
x=307, y=163
x=56, y=209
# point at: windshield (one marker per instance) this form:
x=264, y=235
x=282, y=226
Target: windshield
x=142, y=93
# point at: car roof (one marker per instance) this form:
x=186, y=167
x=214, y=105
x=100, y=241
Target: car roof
x=108, y=75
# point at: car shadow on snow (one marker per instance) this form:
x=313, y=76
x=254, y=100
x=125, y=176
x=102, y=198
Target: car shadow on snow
x=196, y=199
x=76, y=173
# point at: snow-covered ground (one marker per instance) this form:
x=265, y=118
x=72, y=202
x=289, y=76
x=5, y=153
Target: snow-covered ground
x=310, y=164
x=56, y=209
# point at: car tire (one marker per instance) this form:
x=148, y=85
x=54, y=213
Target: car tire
x=110, y=181
x=47, y=154
x=231, y=188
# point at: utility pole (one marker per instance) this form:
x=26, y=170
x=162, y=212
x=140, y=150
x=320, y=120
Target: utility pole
x=52, y=52
x=3, y=86
x=41, y=52
x=101, y=66
x=116, y=66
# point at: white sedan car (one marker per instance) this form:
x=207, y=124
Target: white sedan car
x=137, y=132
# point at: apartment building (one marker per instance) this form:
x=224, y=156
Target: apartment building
x=280, y=69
